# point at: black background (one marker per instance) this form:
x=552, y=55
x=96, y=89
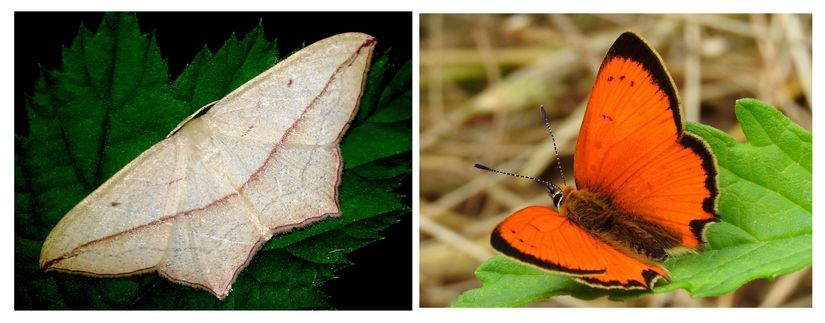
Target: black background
x=381, y=277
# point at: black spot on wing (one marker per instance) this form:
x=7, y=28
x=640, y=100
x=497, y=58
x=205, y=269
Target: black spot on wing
x=631, y=46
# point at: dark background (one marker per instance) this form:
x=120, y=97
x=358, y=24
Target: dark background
x=381, y=276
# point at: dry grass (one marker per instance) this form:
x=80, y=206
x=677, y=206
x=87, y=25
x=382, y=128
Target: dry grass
x=484, y=76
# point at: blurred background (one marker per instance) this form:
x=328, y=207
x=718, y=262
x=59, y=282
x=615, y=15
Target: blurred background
x=483, y=78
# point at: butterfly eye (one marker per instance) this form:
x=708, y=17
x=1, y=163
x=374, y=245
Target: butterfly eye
x=556, y=193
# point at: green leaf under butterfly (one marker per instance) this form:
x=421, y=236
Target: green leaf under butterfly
x=765, y=204
x=112, y=99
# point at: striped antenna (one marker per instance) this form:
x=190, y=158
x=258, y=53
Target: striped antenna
x=558, y=159
x=480, y=166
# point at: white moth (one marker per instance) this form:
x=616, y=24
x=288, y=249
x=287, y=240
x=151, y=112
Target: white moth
x=198, y=205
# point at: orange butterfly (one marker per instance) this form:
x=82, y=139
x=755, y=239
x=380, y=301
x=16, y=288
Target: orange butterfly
x=645, y=187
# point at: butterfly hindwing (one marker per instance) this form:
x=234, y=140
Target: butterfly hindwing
x=541, y=237
x=624, y=271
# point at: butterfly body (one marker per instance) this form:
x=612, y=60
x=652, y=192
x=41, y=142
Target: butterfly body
x=645, y=188
x=595, y=213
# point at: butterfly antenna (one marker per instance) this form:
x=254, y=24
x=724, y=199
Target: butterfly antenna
x=555, y=148
x=480, y=166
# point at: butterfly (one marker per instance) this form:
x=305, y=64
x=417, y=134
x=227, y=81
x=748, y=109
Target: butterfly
x=645, y=188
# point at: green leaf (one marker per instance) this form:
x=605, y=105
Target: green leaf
x=112, y=99
x=388, y=128
x=765, y=204
x=210, y=77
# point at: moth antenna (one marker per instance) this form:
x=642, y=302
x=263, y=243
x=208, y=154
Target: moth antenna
x=480, y=166
x=556, y=149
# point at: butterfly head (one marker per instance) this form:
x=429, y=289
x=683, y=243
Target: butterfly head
x=555, y=193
